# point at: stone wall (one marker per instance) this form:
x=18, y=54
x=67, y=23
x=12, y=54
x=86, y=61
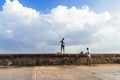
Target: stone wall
x=56, y=59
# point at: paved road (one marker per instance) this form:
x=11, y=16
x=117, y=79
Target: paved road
x=61, y=73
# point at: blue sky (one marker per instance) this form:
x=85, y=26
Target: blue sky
x=32, y=26
x=46, y=5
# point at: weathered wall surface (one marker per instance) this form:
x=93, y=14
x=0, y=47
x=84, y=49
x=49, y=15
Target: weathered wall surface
x=55, y=59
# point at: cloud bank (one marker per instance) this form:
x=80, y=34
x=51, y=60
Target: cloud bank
x=25, y=30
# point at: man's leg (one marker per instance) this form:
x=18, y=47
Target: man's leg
x=63, y=49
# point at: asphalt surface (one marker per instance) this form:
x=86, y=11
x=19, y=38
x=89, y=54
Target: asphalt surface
x=65, y=72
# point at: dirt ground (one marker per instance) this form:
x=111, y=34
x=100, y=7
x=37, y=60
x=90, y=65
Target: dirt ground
x=64, y=72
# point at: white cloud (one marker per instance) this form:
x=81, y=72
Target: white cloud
x=76, y=19
x=24, y=29
x=106, y=32
x=14, y=12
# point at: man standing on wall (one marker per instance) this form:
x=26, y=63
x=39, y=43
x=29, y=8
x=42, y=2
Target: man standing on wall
x=62, y=45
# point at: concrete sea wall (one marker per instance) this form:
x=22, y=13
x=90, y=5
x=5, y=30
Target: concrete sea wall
x=56, y=59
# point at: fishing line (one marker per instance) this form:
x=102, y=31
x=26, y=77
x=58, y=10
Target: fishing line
x=58, y=34
x=52, y=28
